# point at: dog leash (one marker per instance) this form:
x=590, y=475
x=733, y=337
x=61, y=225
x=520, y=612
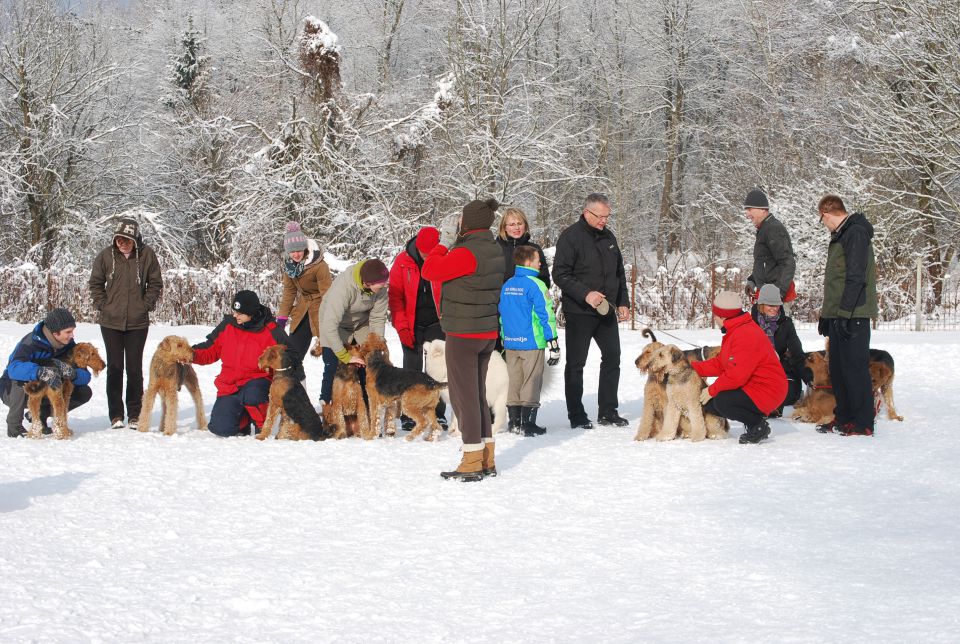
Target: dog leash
x=680, y=339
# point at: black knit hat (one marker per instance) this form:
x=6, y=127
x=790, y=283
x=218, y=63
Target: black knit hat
x=246, y=302
x=756, y=199
x=479, y=214
x=59, y=319
x=373, y=271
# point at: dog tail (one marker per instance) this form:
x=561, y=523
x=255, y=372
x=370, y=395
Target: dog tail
x=34, y=387
x=648, y=333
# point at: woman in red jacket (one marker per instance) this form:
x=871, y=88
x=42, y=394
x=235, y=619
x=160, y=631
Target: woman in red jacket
x=243, y=388
x=750, y=380
x=414, y=302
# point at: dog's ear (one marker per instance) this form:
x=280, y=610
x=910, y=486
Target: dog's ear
x=676, y=355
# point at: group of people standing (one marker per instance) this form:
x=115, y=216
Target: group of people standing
x=481, y=292
x=757, y=378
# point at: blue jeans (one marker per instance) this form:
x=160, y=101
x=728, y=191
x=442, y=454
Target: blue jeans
x=229, y=410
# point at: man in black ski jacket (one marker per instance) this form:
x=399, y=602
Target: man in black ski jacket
x=588, y=268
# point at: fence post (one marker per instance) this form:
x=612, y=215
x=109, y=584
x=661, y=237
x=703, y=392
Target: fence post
x=919, y=325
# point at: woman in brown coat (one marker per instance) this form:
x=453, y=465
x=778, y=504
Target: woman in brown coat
x=125, y=284
x=306, y=278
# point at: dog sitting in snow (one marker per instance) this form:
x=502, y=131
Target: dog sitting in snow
x=497, y=382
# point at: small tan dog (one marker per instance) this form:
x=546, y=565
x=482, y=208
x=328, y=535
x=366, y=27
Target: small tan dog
x=83, y=356
x=682, y=389
x=170, y=369
x=346, y=401
x=655, y=396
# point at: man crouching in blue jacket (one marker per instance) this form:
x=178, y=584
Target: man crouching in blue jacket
x=49, y=341
x=528, y=326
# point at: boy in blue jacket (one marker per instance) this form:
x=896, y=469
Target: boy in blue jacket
x=528, y=326
x=49, y=341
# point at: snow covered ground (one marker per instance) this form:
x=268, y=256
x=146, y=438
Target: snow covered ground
x=586, y=536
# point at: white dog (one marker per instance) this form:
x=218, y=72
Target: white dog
x=435, y=364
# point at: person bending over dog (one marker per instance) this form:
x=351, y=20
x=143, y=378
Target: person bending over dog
x=353, y=308
x=750, y=381
x=769, y=315
x=38, y=357
x=243, y=388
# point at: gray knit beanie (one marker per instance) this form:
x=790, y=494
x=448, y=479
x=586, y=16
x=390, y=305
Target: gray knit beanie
x=293, y=238
x=59, y=319
x=770, y=295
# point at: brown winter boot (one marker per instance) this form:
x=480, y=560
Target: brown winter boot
x=489, y=467
x=470, y=468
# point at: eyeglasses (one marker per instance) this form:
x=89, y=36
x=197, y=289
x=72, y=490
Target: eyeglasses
x=600, y=217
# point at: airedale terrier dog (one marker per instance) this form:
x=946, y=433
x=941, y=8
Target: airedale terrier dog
x=346, y=414
x=170, y=370
x=83, y=355
x=655, y=396
x=682, y=388
x=392, y=390
x=288, y=399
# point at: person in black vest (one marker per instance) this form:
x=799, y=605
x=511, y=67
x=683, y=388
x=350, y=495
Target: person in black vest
x=769, y=316
x=472, y=273
x=588, y=268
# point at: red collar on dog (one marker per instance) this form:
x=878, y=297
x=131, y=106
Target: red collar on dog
x=822, y=387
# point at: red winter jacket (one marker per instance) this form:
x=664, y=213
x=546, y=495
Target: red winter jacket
x=402, y=293
x=238, y=349
x=747, y=361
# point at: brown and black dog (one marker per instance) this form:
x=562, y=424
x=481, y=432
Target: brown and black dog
x=170, y=369
x=289, y=400
x=83, y=355
x=347, y=414
x=393, y=390
x=817, y=406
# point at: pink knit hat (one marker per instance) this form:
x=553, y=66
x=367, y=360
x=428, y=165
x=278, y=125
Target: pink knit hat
x=294, y=239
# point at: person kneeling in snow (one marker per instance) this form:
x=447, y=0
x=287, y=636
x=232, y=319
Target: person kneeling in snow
x=243, y=389
x=48, y=343
x=750, y=383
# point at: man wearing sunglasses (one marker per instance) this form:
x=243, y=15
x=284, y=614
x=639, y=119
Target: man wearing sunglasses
x=588, y=268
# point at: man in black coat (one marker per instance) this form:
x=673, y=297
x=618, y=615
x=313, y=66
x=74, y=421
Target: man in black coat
x=588, y=268
x=773, y=258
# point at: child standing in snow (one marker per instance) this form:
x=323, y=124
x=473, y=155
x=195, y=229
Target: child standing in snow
x=528, y=326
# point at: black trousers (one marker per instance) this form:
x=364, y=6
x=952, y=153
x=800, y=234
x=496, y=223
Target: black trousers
x=413, y=358
x=299, y=341
x=850, y=374
x=735, y=404
x=580, y=330
x=124, y=351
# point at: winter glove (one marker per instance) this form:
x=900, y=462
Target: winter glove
x=845, y=330
x=67, y=370
x=749, y=288
x=823, y=326
x=50, y=376
x=449, y=228
x=705, y=396
x=282, y=321
x=406, y=337
x=554, y=346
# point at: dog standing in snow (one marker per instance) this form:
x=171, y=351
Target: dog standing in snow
x=435, y=364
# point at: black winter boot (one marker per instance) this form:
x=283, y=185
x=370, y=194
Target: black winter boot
x=755, y=434
x=513, y=414
x=528, y=422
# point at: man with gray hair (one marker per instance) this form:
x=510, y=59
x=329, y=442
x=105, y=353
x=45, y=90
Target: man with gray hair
x=588, y=268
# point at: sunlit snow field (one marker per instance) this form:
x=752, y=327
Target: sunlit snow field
x=586, y=536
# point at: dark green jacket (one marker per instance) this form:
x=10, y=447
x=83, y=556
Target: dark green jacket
x=850, y=279
x=469, y=303
x=125, y=290
x=773, y=258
